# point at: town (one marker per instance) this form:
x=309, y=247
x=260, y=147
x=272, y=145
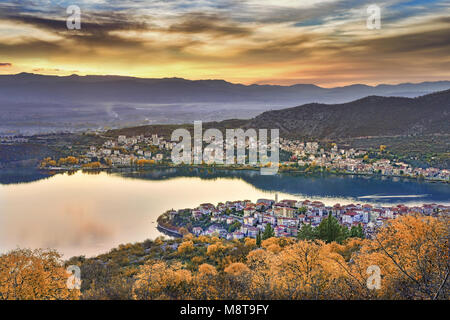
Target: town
x=241, y=219
x=140, y=151
x=310, y=154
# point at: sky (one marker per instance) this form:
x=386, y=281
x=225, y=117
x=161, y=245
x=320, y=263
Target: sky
x=285, y=42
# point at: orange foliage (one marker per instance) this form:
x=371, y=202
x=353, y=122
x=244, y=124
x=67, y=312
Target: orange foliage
x=160, y=281
x=236, y=269
x=91, y=165
x=34, y=275
x=185, y=247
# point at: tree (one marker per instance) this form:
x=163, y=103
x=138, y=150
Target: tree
x=258, y=239
x=183, y=231
x=330, y=230
x=205, y=283
x=68, y=160
x=303, y=270
x=236, y=225
x=268, y=232
x=357, y=232
x=235, y=281
x=186, y=247
x=307, y=232
x=91, y=165
x=413, y=254
x=157, y=280
x=34, y=275
x=104, y=281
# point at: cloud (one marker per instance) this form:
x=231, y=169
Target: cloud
x=196, y=23
x=241, y=41
x=5, y=64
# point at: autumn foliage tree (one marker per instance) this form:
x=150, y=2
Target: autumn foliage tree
x=34, y=275
x=160, y=281
x=68, y=160
x=413, y=255
x=411, y=252
x=91, y=165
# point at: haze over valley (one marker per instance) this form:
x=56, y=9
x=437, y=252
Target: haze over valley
x=32, y=103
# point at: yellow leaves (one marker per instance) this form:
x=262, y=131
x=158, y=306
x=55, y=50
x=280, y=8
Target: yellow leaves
x=212, y=249
x=259, y=260
x=186, y=247
x=250, y=243
x=256, y=256
x=236, y=269
x=280, y=242
x=183, y=231
x=274, y=248
x=412, y=253
x=215, y=248
x=197, y=259
x=48, y=162
x=34, y=275
x=144, y=162
x=295, y=271
x=188, y=236
x=207, y=269
x=203, y=239
x=349, y=246
x=182, y=275
x=205, y=283
x=69, y=160
x=160, y=281
x=268, y=242
x=91, y=165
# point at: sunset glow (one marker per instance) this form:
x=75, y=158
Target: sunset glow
x=272, y=42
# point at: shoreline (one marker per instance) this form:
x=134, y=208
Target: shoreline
x=293, y=172
x=286, y=218
x=166, y=231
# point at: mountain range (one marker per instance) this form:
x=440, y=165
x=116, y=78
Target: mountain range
x=33, y=103
x=26, y=87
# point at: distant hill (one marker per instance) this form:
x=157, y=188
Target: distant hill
x=367, y=117
x=28, y=87
x=371, y=116
x=417, y=129
x=31, y=103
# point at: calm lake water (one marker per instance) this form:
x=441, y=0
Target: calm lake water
x=88, y=214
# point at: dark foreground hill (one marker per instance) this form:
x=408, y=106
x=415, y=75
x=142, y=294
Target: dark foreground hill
x=372, y=116
x=368, y=117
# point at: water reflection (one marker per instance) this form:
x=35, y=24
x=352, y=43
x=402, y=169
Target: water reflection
x=373, y=189
x=86, y=214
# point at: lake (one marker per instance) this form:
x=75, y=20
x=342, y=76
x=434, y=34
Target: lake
x=90, y=213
